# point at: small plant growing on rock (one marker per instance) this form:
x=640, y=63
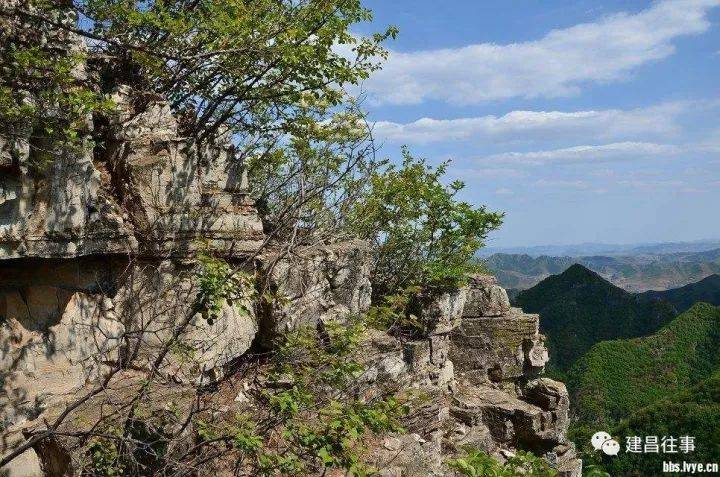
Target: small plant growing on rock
x=476, y=463
x=325, y=417
x=219, y=283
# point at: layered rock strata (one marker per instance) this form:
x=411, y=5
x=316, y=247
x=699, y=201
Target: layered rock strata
x=97, y=268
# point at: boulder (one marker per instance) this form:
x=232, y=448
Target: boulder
x=485, y=297
x=512, y=421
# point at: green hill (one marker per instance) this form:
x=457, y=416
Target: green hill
x=694, y=412
x=706, y=290
x=579, y=308
x=617, y=378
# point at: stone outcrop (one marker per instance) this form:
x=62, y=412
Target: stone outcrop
x=502, y=403
x=97, y=269
x=152, y=193
x=496, y=342
x=314, y=284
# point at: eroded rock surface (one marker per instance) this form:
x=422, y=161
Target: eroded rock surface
x=150, y=192
x=502, y=402
x=96, y=267
x=314, y=284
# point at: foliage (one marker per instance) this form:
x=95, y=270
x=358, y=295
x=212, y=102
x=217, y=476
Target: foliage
x=325, y=420
x=579, y=308
x=616, y=378
x=478, y=464
x=239, y=64
x=305, y=189
x=694, y=412
x=316, y=415
x=394, y=312
x=594, y=471
x=104, y=458
x=42, y=98
x=269, y=76
x=218, y=283
x=422, y=234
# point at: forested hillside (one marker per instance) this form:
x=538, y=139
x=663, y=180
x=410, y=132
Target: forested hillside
x=579, y=308
x=616, y=378
x=706, y=290
x=693, y=412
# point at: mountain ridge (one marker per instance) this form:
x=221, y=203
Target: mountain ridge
x=706, y=290
x=579, y=308
x=635, y=273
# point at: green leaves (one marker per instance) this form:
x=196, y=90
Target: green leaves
x=43, y=100
x=218, y=283
x=324, y=419
x=478, y=464
x=423, y=235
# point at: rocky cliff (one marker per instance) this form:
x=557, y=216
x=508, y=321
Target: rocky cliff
x=96, y=273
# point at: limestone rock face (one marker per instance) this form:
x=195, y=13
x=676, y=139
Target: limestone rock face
x=174, y=191
x=485, y=297
x=57, y=331
x=443, y=313
x=65, y=321
x=316, y=284
x=153, y=192
x=502, y=402
x=153, y=298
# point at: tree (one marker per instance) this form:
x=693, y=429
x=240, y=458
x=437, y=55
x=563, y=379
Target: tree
x=422, y=234
x=268, y=76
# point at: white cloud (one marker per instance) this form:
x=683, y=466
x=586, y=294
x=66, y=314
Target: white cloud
x=603, y=124
x=613, y=151
x=641, y=184
x=485, y=173
x=562, y=184
x=504, y=191
x=558, y=64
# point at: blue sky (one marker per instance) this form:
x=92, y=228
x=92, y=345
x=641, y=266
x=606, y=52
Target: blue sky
x=585, y=121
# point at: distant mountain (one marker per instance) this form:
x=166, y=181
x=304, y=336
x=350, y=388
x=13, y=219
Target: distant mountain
x=615, y=379
x=579, y=308
x=706, y=290
x=591, y=248
x=632, y=272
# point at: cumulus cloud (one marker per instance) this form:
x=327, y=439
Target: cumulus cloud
x=558, y=64
x=602, y=124
x=612, y=151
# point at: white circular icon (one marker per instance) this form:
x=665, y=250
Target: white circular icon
x=611, y=447
x=598, y=439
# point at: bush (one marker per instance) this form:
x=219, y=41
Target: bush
x=422, y=234
x=476, y=463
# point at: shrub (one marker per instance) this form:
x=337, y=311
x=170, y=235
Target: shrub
x=476, y=463
x=422, y=234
